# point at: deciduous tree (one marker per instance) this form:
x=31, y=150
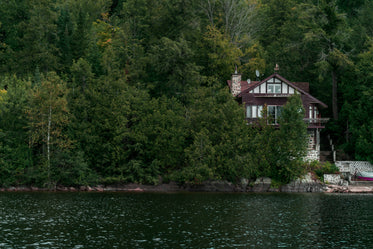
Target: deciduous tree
x=48, y=119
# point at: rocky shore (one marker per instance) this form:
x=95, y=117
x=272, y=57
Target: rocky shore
x=348, y=189
x=305, y=184
x=262, y=184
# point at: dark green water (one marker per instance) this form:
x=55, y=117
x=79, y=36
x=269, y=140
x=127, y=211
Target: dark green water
x=188, y=220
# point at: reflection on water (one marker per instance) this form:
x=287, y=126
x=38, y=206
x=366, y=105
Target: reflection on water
x=187, y=220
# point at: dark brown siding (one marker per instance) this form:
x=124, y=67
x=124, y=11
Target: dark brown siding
x=250, y=99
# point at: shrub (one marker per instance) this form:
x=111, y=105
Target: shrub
x=320, y=168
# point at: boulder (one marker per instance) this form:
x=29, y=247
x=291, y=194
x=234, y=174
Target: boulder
x=210, y=186
x=99, y=189
x=242, y=185
x=304, y=184
x=262, y=184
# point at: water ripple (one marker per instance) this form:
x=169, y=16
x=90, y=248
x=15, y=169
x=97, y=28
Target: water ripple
x=122, y=220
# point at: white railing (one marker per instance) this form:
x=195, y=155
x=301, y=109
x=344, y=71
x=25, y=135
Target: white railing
x=318, y=121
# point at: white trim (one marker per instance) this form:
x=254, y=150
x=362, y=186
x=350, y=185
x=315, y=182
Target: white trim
x=263, y=88
x=254, y=112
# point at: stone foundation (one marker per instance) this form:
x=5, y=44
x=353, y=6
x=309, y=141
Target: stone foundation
x=312, y=155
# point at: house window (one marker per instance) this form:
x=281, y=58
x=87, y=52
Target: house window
x=310, y=112
x=263, y=88
x=248, y=111
x=260, y=110
x=254, y=111
x=274, y=112
x=284, y=88
x=273, y=88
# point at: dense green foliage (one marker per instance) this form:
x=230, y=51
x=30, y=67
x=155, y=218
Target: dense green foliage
x=278, y=153
x=135, y=91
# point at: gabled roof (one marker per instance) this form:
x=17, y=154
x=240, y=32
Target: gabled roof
x=305, y=86
x=299, y=86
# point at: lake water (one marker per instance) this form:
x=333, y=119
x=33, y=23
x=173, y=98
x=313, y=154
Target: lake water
x=185, y=220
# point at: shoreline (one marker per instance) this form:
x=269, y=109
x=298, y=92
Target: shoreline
x=329, y=189
x=139, y=188
x=260, y=185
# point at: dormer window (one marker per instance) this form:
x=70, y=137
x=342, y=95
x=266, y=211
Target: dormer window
x=273, y=88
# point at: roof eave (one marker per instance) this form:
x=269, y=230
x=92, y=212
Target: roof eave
x=251, y=87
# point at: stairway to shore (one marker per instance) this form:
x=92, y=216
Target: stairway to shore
x=326, y=156
x=326, y=149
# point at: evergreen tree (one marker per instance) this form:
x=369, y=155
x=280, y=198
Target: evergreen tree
x=329, y=31
x=80, y=36
x=218, y=138
x=292, y=140
x=357, y=107
x=64, y=34
x=40, y=37
x=172, y=68
x=278, y=153
x=15, y=154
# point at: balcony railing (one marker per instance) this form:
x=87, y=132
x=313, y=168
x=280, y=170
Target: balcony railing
x=311, y=122
x=316, y=121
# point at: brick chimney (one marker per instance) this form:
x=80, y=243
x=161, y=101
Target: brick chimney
x=236, y=83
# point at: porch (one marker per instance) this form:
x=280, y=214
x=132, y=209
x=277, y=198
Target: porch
x=316, y=122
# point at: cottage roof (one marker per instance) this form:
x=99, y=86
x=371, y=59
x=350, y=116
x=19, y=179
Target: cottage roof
x=302, y=87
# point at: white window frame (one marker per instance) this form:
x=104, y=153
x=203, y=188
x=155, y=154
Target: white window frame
x=284, y=88
x=254, y=111
x=248, y=111
x=263, y=88
x=274, y=88
x=260, y=110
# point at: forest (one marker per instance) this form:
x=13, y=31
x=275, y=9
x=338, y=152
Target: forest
x=117, y=91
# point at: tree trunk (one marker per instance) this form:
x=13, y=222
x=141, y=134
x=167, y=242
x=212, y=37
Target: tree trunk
x=334, y=96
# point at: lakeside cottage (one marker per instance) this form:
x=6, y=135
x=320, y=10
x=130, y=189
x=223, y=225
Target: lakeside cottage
x=273, y=92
